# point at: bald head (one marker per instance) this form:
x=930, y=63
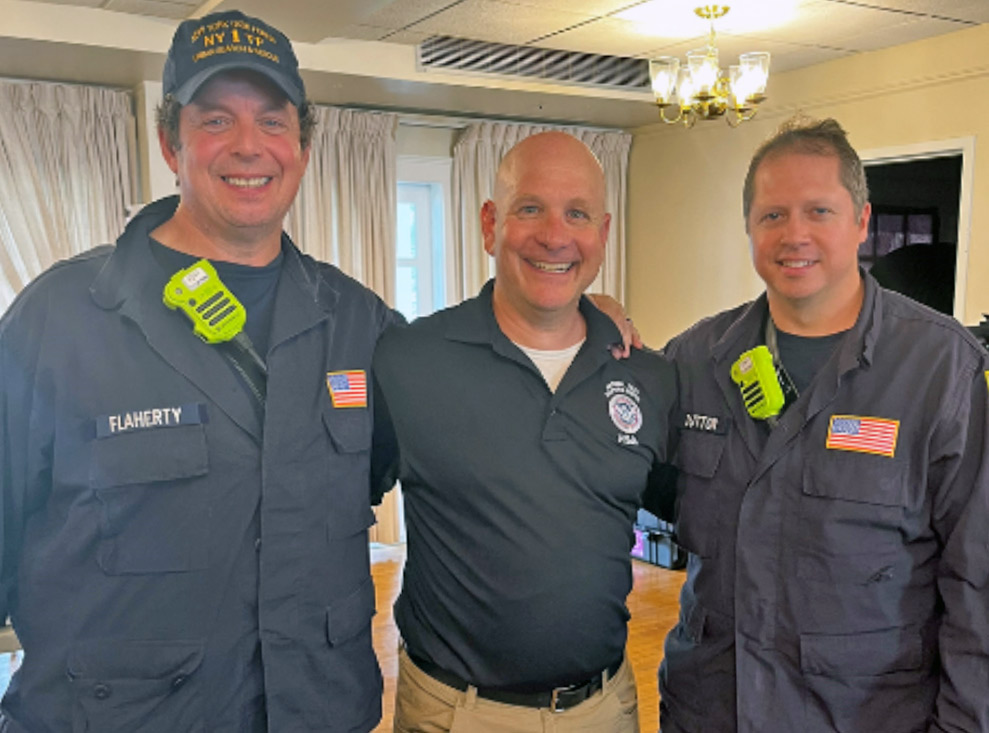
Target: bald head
x=553, y=149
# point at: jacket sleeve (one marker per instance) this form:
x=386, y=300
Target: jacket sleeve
x=661, y=492
x=384, y=445
x=959, y=476
x=384, y=448
x=24, y=458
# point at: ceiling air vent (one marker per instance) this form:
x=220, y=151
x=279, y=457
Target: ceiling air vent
x=462, y=54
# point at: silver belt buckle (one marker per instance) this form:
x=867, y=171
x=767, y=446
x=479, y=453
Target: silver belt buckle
x=554, y=700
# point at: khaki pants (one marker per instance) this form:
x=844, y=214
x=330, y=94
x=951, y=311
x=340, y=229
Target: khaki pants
x=426, y=705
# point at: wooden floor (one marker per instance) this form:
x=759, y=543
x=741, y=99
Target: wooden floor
x=653, y=604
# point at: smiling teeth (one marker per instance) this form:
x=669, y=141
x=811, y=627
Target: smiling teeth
x=797, y=263
x=550, y=267
x=247, y=182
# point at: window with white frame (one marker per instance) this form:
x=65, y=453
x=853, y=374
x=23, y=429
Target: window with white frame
x=423, y=227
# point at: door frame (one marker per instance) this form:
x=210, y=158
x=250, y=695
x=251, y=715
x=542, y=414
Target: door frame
x=964, y=146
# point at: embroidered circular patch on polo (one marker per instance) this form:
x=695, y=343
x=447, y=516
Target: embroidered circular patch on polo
x=625, y=413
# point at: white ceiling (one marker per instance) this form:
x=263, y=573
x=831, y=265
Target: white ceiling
x=818, y=31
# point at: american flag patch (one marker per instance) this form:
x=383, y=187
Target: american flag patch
x=863, y=434
x=348, y=389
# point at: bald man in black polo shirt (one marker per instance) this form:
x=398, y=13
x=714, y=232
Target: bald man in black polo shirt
x=525, y=449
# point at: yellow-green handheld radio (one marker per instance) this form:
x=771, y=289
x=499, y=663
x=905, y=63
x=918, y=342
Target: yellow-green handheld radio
x=217, y=318
x=755, y=374
x=197, y=291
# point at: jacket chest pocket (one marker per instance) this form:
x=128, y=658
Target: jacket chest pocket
x=154, y=510
x=697, y=459
x=853, y=503
x=349, y=495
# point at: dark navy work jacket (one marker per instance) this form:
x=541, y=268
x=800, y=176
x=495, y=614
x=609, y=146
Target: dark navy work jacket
x=839, y=564
x=175, y=559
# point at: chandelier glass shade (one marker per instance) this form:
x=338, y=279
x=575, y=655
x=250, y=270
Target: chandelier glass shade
x=700, y=90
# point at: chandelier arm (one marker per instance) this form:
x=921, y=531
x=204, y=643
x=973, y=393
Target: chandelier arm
x=744, y=116
x=668, y=121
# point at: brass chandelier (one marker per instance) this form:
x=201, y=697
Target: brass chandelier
x=701, y=90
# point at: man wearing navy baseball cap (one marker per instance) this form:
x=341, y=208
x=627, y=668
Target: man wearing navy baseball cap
x=184, y=544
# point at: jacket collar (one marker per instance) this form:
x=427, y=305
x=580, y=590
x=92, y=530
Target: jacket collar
x=131, y=272
x=131, y=281
x=858, y=346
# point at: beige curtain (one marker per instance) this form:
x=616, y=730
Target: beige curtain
x=476, y=156
x=345, y=210
x=65, y=175
x=345, y=214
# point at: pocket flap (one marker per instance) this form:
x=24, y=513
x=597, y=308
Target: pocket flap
x=857, y=655
x=858, y=477
x=148, y=456
x=699, y=454
x=350, y=615
x=113, y=659
x=349, y=428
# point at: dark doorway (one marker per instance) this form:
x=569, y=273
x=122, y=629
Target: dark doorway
x=913, y=236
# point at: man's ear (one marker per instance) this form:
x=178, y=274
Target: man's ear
x=488, y=216
x=863, y=222
x=167, y=151
x=605, y=229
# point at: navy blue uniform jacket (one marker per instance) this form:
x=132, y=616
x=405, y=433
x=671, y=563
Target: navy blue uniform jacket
x=171, y=562
x=839, y=565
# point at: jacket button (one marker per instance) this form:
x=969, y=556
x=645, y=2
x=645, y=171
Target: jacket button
x=101, y=691
x=257, y=545
x=178, y=681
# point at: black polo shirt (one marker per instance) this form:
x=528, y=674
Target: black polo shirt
x=519, y=501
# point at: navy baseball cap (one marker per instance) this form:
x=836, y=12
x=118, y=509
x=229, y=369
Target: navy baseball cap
x=204, y=47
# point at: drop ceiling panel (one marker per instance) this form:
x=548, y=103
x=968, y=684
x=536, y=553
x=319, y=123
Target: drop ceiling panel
x=501, y=22
x=975, y=11
x=584, y=7
x=401, y=13
x=608, y=36
x=305, y=20
x=156, y=8
x=911, y=30
x=826, y=23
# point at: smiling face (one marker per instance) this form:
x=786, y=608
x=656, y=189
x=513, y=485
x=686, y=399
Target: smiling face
x=239, y=163
x=546, y=229
x=805, y=233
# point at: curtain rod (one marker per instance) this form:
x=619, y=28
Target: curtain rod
x=439, y=119
x=95, y=85
x=419, y=119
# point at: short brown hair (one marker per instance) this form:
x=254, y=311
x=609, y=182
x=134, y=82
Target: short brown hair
x=167, y=118
x=811, y=137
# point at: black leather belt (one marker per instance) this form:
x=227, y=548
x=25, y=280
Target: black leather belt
x=557, y=699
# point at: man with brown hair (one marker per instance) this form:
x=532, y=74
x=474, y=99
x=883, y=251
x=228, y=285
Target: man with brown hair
x=185, y=523
x=838, y=577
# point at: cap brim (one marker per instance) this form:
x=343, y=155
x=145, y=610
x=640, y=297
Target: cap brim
x=187, y=91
